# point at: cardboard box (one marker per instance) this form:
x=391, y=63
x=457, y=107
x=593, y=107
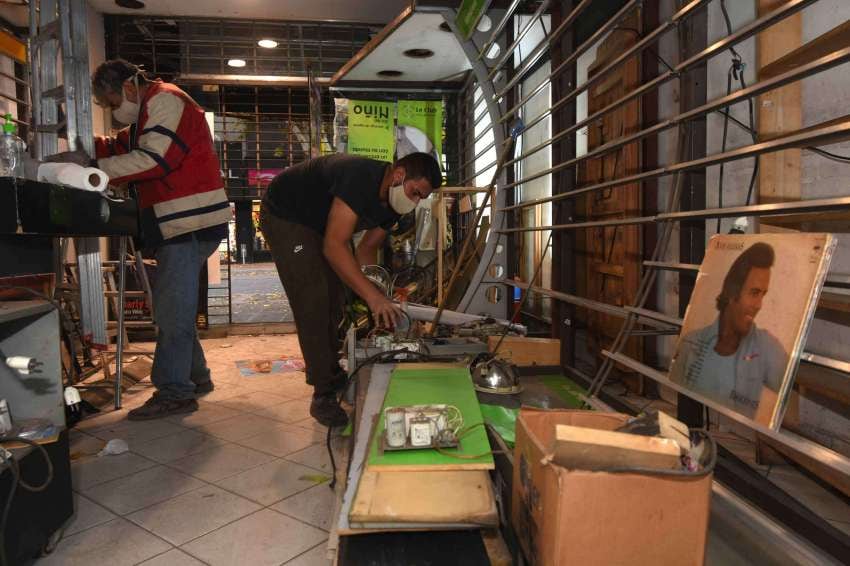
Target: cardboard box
x=567, y=516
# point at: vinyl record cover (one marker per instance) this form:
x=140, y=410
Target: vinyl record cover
x=746, y=324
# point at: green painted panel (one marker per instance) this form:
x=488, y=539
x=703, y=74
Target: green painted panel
x=450, y=386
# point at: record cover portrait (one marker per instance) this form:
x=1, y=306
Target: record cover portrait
x=746, y=324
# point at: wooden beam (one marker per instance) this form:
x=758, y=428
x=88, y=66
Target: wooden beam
x=835, y=39
x=779, y=110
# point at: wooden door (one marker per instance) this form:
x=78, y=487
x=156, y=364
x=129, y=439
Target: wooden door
x=609, y=258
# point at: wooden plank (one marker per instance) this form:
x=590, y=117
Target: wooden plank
x=450, y=386
x=835, y=39
x=830, y=475
x=594, y=449
x=524, y=351
x=779, y=110
x=425, y=497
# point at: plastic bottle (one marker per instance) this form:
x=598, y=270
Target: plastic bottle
x=11, y=150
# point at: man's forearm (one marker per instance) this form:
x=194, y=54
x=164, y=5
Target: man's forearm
x=345, y=265
x=366, y=255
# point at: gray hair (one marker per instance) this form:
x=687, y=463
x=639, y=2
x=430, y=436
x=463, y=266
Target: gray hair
x=110, y=76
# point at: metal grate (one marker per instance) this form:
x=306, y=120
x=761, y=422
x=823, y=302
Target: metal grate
x=174, y=47
x=262, y=130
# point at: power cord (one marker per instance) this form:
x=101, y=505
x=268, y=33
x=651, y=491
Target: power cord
x=17, y=480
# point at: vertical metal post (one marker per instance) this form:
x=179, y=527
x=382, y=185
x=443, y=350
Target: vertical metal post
x=119, y=342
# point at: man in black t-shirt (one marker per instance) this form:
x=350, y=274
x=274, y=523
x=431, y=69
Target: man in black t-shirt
x=308, y=217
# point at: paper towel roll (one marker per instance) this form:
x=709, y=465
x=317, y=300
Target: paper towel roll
x=71, y=174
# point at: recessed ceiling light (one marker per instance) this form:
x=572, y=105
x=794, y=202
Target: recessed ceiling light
x=267, y=43
x=236, y=62
x=419, y=53
x=389, y=73
x=131, y=4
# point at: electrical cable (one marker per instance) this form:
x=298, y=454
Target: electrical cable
x=17, y=480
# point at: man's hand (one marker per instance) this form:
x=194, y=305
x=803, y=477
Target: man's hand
x=385, y=313
x=78, y=157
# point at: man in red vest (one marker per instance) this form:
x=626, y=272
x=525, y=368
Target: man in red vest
x=166, y=153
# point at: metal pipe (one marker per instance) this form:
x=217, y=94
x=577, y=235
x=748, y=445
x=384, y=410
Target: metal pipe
x=815, y=451
x=742, y=34
x=522, y=33
x=818, y=136
x=119, y=341
x=498, y=29
x=573, y=57
x=535, y=54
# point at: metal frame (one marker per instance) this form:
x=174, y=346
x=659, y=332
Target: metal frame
x=639, y=319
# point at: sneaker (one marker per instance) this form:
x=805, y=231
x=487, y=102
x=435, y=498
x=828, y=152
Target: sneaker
x=325, y=409
x=156, y=408
x=204, y=388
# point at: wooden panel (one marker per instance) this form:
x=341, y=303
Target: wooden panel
x=833, y=40
x=779, y=110
x=611, y=264
x=592, y=449
x=528, y=351
x=425, y=497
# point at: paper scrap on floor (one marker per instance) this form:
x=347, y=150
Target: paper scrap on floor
x=253, y=368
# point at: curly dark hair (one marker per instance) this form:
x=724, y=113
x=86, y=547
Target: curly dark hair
x=418, y=165
x=758, y=255
x=109, y=77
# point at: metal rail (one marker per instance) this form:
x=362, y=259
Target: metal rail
x=825, y=63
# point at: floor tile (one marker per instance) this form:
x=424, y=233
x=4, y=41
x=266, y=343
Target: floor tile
x=289, y=412
x=92, y=471
x=271, y=482
x=137, y=432
x=312, y=424
x=265, y=538
x=316, y=556
x=315, y=456
x=239, y=427
x=178, y=445
x=82, y=445
x=174, y=557
x=102, y=420
x=221, y=392
x=219, y=463
x=253, y=401
x=87, y=514
x=313, y=506
x=116, y=543
x=281, y=442
x=207, y=413
x=142, y=489
x=193, y=514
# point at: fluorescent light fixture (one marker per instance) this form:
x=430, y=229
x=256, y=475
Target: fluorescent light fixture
x=236, y=62
x=267, y=43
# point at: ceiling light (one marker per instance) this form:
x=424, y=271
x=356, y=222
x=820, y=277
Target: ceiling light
x=131, y=4
x=236, y=62
x=267, y=43
x=389, y=73
x=419, y=53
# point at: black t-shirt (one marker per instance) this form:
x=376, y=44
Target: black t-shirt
x=304, y=193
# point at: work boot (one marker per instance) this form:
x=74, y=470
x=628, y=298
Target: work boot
x=157, y=407
x=325, y=409
x=204, y=388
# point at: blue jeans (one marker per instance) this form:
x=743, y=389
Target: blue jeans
x=179, y=364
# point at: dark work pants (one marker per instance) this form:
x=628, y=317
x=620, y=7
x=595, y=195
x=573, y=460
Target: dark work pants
x=315, y=294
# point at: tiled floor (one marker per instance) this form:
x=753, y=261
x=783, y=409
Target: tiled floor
x=241, y=481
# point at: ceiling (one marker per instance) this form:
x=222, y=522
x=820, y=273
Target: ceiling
x=370, y=11
x=416, y=30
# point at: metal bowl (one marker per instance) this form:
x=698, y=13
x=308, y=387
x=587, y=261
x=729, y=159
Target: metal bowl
x=492, y=375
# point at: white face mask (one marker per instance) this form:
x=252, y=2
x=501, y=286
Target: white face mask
x=128, y=112
x=399, y=201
